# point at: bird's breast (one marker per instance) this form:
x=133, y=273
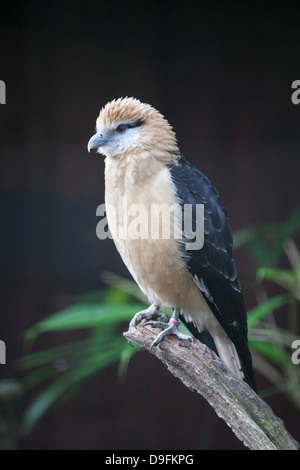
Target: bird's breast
x=144, y=218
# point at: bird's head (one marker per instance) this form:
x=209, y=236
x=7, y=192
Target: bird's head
x=127, y=126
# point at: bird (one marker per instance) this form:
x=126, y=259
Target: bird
x=144, y=167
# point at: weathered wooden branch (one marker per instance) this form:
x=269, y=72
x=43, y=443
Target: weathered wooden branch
x=200, y=369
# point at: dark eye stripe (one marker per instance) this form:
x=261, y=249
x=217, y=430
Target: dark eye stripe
x=122, y=127
x=138, y=123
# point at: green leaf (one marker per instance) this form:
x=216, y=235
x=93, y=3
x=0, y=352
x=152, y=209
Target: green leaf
x=44, y=401
x=243, y=237
x=266, y=243
x=81, y=316
x=284, y=277
x=125, y=356
x=274, y=353
x=265, y=308
x=272, y=333
x=131, y=289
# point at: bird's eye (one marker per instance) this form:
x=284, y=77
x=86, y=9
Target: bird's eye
x=121, y=128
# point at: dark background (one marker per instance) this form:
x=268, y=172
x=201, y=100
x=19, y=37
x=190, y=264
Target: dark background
x=221, y=73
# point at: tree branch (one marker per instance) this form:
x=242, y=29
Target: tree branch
x=201, y=370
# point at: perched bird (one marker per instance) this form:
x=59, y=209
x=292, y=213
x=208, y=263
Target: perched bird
x=144, y=165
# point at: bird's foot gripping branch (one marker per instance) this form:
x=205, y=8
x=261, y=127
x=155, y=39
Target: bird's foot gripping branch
x=151, y=313
x=167, y=324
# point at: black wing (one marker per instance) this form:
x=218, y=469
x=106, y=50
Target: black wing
x=214, y=264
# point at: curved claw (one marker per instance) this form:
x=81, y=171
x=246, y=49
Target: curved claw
x=151, y=313
x=157, y=324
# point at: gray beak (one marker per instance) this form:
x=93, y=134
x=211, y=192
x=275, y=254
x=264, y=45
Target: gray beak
x=96, y=141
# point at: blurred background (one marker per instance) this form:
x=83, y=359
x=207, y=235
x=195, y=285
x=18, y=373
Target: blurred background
x=221, y=73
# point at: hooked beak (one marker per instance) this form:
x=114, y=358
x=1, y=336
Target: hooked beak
x=96, y=141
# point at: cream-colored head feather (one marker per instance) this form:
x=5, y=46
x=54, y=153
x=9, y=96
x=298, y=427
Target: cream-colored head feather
x=128, y=126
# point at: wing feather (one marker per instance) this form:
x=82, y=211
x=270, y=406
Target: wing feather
x=214, y=263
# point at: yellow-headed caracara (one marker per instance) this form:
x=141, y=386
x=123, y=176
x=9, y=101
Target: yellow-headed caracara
x=143, y=164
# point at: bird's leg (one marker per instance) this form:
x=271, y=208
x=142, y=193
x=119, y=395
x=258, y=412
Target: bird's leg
x=151, y=313
x=171, y=328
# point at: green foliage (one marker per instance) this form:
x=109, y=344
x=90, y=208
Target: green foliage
x=100, y=317
x=271, y=335
x=266, y=243
x=61, y=370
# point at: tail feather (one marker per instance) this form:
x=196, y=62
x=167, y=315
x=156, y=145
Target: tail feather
x=222, y=345
x=227, y=352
